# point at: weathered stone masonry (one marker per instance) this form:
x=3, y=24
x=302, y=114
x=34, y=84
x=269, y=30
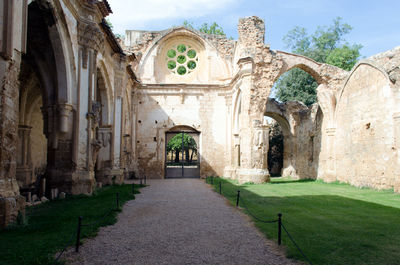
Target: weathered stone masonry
x=80, y=107
x=66, y=85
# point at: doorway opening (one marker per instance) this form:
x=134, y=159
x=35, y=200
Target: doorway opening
x=182, y=153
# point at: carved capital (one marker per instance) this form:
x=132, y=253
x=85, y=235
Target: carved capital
x=64, y=111
x=90, y=35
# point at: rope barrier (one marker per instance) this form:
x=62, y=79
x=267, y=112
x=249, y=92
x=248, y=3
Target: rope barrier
x=280, y=224
x=255, y=217
x=100, y=219
x=298, y=248
x=69, y=243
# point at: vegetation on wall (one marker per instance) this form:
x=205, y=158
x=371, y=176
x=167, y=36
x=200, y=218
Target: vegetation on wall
x=325, y=45
x=212, y=28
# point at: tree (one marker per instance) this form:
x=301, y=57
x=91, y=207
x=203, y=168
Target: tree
x=214, y=28
x=325, y=45
x=175, y=146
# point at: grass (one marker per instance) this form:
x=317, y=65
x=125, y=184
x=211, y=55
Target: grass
x=51, y=225
x=332, y=223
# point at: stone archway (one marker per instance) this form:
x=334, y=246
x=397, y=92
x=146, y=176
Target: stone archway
x=44, y=115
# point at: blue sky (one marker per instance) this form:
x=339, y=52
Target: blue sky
x=376, y=24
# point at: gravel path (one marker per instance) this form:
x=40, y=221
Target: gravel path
x=179, y=221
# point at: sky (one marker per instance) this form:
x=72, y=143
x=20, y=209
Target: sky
x=376, y=24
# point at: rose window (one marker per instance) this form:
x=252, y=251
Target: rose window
x=182, y=59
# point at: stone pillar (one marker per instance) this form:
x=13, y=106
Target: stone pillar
x=396, y=124
x=251, y=35
x=64, y=111
x=331, y=163
x=117, y=136
x=13, y=15
x=86, y=146
x=229, y=170
x=256, y=170
x=104, y=161
x=24, y=167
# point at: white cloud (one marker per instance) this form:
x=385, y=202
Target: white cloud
x=136, y=13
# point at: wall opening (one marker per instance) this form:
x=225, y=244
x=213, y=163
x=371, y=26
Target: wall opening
x=182, y=153
x=276, y=147
x=295, y=84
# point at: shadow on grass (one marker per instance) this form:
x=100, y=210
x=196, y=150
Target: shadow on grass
x=329, y=229
x=283, y=181
x=51, y=225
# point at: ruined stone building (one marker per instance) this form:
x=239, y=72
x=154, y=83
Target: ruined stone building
x=80, y=107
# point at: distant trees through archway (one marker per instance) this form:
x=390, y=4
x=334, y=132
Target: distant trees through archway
x=182, y=147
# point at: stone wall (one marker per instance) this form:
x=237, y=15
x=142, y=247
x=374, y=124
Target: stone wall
x=11, y=203
x=366, y=134
x=159, y=110
x=301, y=128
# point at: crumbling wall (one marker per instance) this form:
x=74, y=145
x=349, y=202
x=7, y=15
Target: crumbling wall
x=301, y=128
x=11, y=203
x=367, y=120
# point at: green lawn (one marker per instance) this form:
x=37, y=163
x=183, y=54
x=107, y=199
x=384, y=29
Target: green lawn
x=51, y=225
x=332, y=223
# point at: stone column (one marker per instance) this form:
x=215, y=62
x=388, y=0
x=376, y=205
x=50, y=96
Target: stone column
x=117, y=143
x=13, y=15
x=256, y=170
x=229, y=170
x=254, y=138
x=331, y=163
x=24, y=167
x=64, y=111
x=86, y=146
x=104, y=162
x=396, y=124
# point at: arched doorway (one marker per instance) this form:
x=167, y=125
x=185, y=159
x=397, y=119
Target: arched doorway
x=182, y=153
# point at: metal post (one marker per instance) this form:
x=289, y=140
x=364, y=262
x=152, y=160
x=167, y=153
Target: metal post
x=237, y=198
x=182, y=157
x=144, y=179
x=117, y=200
x=220, y=192
x=78, y=234
x=279, y=229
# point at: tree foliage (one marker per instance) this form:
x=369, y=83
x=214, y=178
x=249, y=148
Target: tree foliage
x=175, y=145
x=325, y=45
x=214, y=28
